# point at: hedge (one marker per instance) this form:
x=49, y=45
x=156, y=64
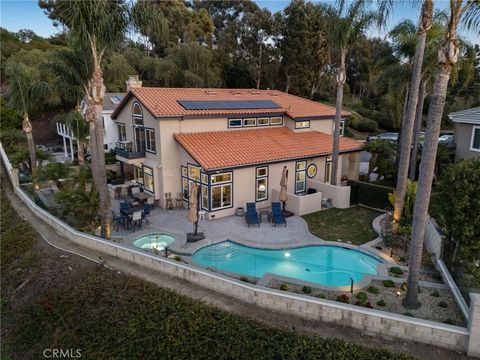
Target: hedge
x=376, y=196
x=370, y=194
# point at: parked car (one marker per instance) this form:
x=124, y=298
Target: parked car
x=447, y=140
x=389, y=136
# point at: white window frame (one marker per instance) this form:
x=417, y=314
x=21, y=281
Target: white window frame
x=254, y=122
x=235, y=126
x=302, y=124
x=304, y=181
x=213, y=182
x=263, y=118
x=148, y=139
x=122, y=129
x=221, y=186
x=474, y=128
x=273, y=120
x=258, y=178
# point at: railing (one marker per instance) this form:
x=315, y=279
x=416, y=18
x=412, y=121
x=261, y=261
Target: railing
x=125, y=149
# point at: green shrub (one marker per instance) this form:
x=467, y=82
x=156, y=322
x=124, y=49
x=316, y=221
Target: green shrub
x=408, y=313
x=443, y=304
x=284, y=287
x=307, y=289
x=321, y=296
x=396, y=271
x=373, y=290
x=362, y=124
x=343, y=298
x=381, y=303
x=177, y=258
x=435, y=293
x=362, y=295
x=388, y=283
x=244, y=279
x=369, y=194
x=403, y=287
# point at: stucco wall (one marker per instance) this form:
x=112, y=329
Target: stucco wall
x=340, y=195
x=372, y=322
x=463, y=139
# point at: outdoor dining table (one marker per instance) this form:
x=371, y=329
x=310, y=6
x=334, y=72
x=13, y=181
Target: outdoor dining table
x=128, y=212
x=141, y=196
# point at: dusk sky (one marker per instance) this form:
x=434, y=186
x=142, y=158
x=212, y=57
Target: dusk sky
x=25, y=14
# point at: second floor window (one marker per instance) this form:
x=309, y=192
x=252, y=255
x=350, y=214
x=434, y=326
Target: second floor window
x=150, y=140
x=137, y=114
x=122, y=132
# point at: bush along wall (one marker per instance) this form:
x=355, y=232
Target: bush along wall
x=369, y=194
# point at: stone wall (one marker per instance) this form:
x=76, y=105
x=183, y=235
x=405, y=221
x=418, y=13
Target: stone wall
x=370, y=321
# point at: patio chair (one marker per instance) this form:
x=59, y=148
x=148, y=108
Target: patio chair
x=136, y=220
x=277, y=214
x=146, y=210
x=125, y=205
x=135, y=190
x=118, y=192
x=168, y=201
x=251, y=216
x=151, y=201
x=118, y=220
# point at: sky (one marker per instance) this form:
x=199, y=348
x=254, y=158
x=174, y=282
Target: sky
x=25, y=14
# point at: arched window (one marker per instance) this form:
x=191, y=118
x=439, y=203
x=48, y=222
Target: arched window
x=137, y=114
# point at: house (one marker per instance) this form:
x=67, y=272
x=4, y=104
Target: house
x=233, y=143
x=467, y=133
x=110, y=131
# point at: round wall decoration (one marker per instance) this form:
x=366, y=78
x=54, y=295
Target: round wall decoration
x=311, y=170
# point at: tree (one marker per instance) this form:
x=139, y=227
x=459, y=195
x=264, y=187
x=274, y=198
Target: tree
x=382, y=160
x=408, y=122
x=347, y=25
x=101, y=25
x=460, y=209
x=469, y=12
x=26, y=94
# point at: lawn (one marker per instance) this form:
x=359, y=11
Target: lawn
x=112, y=316
x=353, y=224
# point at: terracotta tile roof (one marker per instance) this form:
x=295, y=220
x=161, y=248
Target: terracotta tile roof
x=162, y=102
x=234, y=148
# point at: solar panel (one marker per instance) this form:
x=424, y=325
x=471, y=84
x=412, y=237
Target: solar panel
x=227, y=104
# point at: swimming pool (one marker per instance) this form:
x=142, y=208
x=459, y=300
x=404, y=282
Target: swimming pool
x=154, y=241
x=322, y=264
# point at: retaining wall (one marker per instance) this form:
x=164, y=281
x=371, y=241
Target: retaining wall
x=373, y=322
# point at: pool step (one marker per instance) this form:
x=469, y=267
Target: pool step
x=219, y=253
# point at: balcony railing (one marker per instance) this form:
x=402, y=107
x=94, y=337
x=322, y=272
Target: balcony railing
x=125, y=150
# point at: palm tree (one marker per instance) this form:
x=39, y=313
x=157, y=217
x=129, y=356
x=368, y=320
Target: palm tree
x=101, y=25
x=469, y=13
x=80, y=128
x=407, y=125
x=347, y=25
x=26, y=91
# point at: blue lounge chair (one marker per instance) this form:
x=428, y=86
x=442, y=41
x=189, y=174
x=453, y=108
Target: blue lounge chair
x=251, y=216
x=277, y=214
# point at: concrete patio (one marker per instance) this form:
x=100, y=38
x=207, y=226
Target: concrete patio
x=230, y=228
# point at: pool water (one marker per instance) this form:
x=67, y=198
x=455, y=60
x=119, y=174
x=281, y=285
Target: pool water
x=154, y=241
x=325, y=265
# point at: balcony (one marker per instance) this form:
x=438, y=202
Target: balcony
x=125, y=150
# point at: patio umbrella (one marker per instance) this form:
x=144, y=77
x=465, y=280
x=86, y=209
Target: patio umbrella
x=193, y=206
x=283, y=187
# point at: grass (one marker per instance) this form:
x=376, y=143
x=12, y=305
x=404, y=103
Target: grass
x=353, y=224
x=112, y=316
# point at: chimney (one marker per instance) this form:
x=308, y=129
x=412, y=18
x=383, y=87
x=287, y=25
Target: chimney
x=133, y=82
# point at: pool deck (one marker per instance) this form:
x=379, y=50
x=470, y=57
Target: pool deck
x=234, y=228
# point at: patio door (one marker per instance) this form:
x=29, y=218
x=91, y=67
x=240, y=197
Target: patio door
x=139, y=139
x=328, y=170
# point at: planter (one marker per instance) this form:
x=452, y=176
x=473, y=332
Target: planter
x=240, y=211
